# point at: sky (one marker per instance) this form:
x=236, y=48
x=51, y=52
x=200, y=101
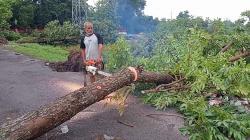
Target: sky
x=224, y=9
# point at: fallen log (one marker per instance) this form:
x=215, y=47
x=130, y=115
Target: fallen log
x=240, y=55
x=36, y=123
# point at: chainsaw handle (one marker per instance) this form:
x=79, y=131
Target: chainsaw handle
x=90, y=62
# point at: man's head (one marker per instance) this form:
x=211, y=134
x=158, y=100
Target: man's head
x=88, y=28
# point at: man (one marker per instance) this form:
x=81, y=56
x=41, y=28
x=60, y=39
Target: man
x=92, y=46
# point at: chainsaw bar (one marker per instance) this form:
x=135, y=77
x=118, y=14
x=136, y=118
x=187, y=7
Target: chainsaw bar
x=94, y=70
x=104, y=73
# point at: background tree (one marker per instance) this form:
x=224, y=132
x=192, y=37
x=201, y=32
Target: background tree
x=23, y=13
x=49, y=10
x=247, y=14
x=5, y=13
x=105, y=19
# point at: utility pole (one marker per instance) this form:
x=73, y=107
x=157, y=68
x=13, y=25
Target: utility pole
x=171, y=14
x=79, y=13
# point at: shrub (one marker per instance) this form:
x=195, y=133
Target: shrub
x=27, y=40
x=119, y=55
x=10, y=35
x=54, y=31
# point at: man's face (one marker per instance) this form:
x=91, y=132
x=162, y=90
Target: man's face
x=89, y=29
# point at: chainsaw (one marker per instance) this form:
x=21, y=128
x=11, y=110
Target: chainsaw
x=94, y=68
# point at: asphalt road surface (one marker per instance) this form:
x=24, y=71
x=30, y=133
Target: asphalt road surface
x=26, y=84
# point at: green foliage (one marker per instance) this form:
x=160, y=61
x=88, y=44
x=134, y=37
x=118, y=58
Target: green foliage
x=195, y=54
x=23, y=13
x=185, y=46
x=209, y=122
x=10, y=35
x=5, y=13
x=50, y=10
x=42, y=52
x=138, y=46
x=202, y=70
x=125, y=14
x=190, y=57
x=204, y=122
x=118, y=55
x=55, y=31
x=161, y=101
x=28, y=39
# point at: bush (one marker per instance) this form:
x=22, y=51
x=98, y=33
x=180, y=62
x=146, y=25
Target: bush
x=36, y=33
x=10, y=35
x=54, y=31
x=27, y=40
x=119, y=55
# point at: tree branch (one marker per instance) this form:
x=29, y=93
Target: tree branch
x=168, y=85
x=164, y=90
x=229, y=45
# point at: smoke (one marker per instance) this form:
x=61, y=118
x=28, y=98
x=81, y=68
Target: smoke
x=126, y=15
x=131, y=17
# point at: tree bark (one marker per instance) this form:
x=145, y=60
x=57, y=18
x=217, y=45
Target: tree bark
x=229, y=45
x=36, y=123
x=241, y=55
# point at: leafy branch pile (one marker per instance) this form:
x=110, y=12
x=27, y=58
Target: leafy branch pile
x=207, y=75
x=204, y=71
x=211, y=88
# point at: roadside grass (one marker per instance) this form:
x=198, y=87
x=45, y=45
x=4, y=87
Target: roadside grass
x=46, y=53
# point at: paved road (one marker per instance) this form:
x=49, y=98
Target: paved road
x=26, y=84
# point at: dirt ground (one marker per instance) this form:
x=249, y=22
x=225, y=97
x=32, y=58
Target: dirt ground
x=26, y=84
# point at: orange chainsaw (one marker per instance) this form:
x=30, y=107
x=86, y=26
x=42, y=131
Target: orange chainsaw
x=95, y=68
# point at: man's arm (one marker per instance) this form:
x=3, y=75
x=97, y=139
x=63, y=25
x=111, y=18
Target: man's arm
x=83, y=52
x=100, y=48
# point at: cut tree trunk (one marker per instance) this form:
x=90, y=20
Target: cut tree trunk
x=36, y=123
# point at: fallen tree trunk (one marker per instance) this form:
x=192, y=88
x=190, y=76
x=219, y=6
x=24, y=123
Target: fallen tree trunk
x=240, y=55
x=36, y=123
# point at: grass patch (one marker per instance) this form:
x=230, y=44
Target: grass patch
x=43, y=52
